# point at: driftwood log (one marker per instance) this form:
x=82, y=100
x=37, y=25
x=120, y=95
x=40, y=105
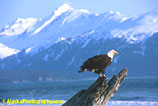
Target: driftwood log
x=99, y=93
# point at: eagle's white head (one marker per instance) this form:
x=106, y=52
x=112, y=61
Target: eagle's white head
x=111, y=53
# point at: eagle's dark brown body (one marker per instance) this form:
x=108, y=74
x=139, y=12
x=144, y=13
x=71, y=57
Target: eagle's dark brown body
x=96, y=64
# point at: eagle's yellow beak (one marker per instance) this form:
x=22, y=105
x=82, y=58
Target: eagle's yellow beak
x=116, y=52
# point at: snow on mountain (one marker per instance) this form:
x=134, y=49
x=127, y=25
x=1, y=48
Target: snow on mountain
x=19, y=26
x=116, y=16
x=57, y=13
x=5, y=51
x=48, y=32
x=143, y=28
x=75, y=13
x=68, y=23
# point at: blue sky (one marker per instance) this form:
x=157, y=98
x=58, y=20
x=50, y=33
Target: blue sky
x=12, y=9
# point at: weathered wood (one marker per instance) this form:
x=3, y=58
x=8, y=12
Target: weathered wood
x=99, y=93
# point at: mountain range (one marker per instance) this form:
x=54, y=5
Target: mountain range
x=54, y=47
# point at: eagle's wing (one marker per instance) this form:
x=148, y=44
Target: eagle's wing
x=98, y=61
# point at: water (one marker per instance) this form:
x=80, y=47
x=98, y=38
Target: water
x=133, y=91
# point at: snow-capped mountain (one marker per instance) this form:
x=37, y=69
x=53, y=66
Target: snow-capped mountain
x=19, y=26
x=67, y=22
x=63, y=40
x=6, y=51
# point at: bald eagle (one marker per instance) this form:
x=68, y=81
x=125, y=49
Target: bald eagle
x=98, y=63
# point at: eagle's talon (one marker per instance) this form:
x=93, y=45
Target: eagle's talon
x=104, y=76
x=100, y=75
